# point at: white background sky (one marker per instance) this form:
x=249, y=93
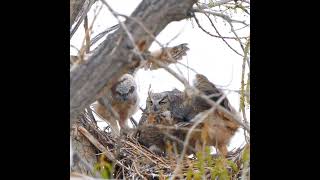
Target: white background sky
x=207, y=55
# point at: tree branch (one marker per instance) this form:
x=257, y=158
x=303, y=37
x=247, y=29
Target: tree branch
x=109, y=62
x=78, y=10
x=223, y=16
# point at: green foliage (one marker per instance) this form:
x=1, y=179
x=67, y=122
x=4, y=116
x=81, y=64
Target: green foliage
x=219, y=169
x=233, y=165
x=104, y=168
x=246, y=154
x=205, y=162
x=211, y=4
x=189, y=174
x=247, y=100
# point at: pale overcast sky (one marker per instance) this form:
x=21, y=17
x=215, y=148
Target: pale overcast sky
x=207, y=55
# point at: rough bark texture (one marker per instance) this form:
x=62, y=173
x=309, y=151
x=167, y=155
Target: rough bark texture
x=84, y=148
x=80, y=144
x=115, y=54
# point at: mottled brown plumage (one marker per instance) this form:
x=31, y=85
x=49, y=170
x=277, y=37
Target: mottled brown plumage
x=123, y=99
x=216, y=130
x=161, y=55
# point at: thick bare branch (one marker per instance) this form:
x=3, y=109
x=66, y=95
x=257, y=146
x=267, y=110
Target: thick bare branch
x=109, y=62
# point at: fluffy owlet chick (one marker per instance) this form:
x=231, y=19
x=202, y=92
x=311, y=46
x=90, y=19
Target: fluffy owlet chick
x=159, y=107
x=124, y=100
x=218, y=127
x=216, y=130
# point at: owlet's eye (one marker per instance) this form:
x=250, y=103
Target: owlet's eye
x=162, y=102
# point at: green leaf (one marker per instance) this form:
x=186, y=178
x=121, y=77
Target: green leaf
x=246, y=154
x=232, y=165
x=189, y=174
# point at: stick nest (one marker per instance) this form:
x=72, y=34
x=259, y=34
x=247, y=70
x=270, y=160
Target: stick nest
x=134, y=161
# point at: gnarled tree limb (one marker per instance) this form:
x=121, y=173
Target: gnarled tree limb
x=114, y=56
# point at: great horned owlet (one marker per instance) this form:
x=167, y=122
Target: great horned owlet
x=216, y=130
x=165, y=109
x=124, y=100
x=218, y=127
x=167, y=104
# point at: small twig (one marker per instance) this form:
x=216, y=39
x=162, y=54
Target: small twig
x=217, y=3
x=188, y=67
x=89, y=112
x=178, y=140
x=123, y=26
x=96, y=143
x=168, y=127
x=83, y=48
x=141, y=109
x=134, y=122
x=217, y=36
x=240, y=29
x=74, y=47
x=176, y=36
x=222, y=38
x=84, y=13
x=152, y=160
x=246, y=122
x=87, y=35
x=234, y=32
x=197, y=121
x=246, y=51
x=236, y=91
x=102, y=34
x=223, y=16
x=134, y=165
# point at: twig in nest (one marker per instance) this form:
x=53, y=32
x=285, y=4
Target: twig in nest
x=134, y=122
x=89, y=112
x=134, y=165
x=186, y=142
x=146, y=155
x=100, y=146
x=96, y=143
